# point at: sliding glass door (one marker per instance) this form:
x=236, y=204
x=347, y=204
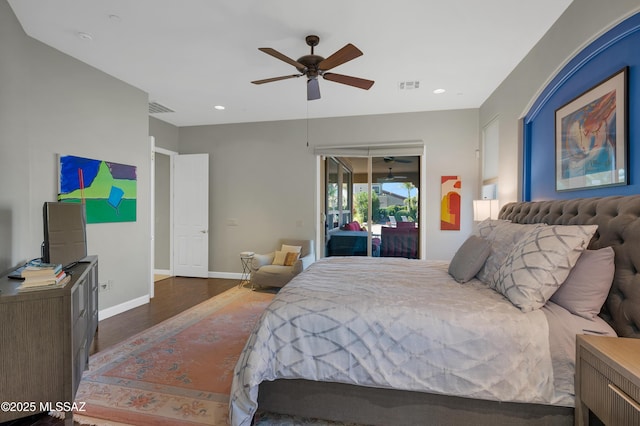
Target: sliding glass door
x=397, y=185
x=338, y=197
x=371, y=206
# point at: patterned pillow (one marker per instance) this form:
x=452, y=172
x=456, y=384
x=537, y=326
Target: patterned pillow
x=502, y=236
x=484, y=228
x=540, y=262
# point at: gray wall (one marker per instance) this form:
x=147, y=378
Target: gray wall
x=582, y=22
x=263, y=176
x=165, y=134
x=52, y=104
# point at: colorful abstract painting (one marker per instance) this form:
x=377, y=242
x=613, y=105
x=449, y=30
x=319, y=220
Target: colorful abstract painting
x=591, y=142
x=450, y=203
x=109, y=190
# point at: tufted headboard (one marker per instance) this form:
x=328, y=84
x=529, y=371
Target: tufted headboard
x=618, y=220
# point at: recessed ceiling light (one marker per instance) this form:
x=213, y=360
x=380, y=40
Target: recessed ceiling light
x=84, y=36
x=114, y=18
x=219, y=107
x=438, y=91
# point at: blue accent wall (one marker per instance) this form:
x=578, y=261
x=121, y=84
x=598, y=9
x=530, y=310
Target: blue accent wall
x=614, y=50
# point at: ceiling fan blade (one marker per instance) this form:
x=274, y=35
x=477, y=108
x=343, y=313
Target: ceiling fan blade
x=269, y=80
x=348, y=80
x=395, y=159
x=343, y=55
x=313, y=89
x=276, y=54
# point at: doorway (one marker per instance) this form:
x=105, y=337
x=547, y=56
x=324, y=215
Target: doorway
x=161, y=213
x=372, y=206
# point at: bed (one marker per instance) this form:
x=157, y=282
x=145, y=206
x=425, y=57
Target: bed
x=323, y=351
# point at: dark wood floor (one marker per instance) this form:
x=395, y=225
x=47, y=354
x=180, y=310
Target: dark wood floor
x=172, y=296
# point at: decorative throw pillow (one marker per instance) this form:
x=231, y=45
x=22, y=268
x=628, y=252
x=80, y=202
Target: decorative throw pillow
x=279, y=258
x=484, y=228
x=291, y=249
x=586, y=288
x=540, y=262
x=503, y=236
x=469, y=258
x=291, y=258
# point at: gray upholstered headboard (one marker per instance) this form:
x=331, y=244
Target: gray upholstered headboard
x=618, y=220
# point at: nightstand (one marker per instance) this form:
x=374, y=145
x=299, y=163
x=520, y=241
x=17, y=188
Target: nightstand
x=607, y=380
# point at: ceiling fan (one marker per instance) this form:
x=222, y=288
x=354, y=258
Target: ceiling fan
x=313, y=65
x=395, y=160
x=391, y=177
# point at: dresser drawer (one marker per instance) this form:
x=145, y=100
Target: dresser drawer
x=610, y=395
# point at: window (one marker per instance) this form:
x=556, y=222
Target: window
x=490, y=156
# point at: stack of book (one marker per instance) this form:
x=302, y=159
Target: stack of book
x=42, y=275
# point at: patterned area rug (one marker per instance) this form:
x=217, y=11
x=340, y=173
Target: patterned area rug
x=178, y=372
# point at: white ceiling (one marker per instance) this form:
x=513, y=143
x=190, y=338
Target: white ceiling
x=190, y=55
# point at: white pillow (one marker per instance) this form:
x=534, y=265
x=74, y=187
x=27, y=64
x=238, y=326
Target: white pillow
x=586, y=288
x=291, y=249
x=539, y=263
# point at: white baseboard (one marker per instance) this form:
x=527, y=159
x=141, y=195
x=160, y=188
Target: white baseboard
x=123, y=307
x=226, y=275
x=211, y=274
x=134, y=303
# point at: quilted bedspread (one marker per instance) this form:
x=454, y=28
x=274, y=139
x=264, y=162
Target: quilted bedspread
x=395, y=323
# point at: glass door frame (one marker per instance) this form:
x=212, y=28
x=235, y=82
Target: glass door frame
x=406, y=148
x=344, y=176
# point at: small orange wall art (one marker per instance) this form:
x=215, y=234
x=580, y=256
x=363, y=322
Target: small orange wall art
x=450, y=203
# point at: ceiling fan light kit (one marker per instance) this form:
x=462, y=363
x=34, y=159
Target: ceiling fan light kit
x=312, y=66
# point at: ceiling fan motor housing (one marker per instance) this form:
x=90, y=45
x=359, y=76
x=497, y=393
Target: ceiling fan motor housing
x=311, y=64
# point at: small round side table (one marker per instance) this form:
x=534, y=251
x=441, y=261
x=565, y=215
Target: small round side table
x=245, y=259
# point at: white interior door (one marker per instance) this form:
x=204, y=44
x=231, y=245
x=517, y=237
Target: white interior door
x=191, y=215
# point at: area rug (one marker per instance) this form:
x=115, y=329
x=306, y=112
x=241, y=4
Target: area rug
x=178, y=372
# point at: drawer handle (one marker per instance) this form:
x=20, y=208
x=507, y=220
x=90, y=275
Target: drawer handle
x=624, y=396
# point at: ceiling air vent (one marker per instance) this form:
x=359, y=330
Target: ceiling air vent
x=408, y=85
x=156, y=108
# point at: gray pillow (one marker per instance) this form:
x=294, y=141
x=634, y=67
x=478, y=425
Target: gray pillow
x=539, y=263
x=469, y=258
x=586, y=288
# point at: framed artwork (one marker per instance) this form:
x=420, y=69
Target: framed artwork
x=591, y=137
x=109, y=190
x=450, y=190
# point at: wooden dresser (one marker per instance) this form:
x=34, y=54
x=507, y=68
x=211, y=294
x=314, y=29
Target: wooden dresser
x=45, y=336
x=607, y=380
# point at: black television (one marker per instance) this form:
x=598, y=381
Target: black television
x=65, y=233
